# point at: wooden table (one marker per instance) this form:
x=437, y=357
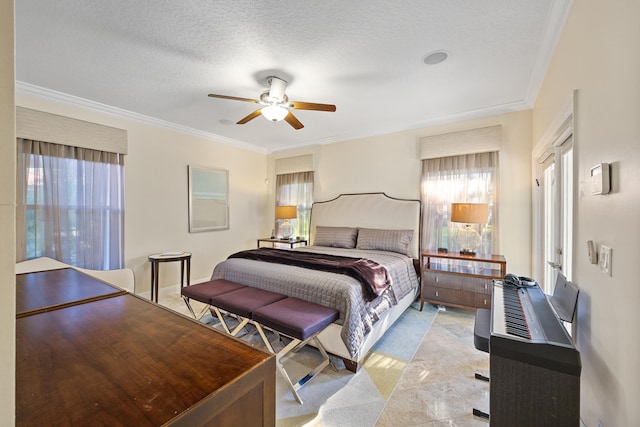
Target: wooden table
x=156, y=259
x=48, y=290
x=124, y=361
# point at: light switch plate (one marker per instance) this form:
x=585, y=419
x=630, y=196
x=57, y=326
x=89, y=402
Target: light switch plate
x=604, y=259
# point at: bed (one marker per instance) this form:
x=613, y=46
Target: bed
x=369, y=226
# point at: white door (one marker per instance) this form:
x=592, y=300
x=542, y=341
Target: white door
x=553, y=201
x=556, y=212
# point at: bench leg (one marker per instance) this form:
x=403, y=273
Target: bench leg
x=186, y=301
x=295, y=345
x=298, y=384
x=242, y=324
x=316, y=343
x=266, y=341
x=322, y=351
x=221, y=319
x=293, y=387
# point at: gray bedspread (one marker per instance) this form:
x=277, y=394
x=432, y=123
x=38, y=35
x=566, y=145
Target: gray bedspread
x=344, y=293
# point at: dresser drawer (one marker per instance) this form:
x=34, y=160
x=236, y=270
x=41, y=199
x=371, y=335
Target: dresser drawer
x=482, y=300
x=480, y=285
x=446, y=295
x=444, y=280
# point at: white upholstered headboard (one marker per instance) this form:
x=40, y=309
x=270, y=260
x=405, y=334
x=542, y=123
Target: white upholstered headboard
x=369, y=210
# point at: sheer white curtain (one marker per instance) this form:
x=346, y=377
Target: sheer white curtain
x=296, y=189
x=470, y=178
x=70, y=205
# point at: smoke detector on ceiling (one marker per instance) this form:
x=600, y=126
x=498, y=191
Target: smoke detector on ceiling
x=435, y=57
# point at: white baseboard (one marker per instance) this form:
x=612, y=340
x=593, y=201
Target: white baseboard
x=171, y=290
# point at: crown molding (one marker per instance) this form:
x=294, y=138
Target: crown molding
x=554, y=25
x=452, y=118
x=52, y=95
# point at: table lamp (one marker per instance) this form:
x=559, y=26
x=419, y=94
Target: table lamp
x=286, y=213
x=469, y=213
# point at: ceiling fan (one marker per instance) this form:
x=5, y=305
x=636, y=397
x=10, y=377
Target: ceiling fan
x=277, y=104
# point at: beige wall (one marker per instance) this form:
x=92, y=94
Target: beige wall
x=598, y=56
x=7, y=214
x=390, y=163
x=156, y=197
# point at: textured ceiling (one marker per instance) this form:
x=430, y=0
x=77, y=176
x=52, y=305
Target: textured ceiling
x=158, y=60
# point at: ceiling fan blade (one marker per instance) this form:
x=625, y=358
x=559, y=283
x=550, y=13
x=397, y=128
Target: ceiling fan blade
x=234, y=98
x=249, y=117
x=311, y=106
x=293, y=121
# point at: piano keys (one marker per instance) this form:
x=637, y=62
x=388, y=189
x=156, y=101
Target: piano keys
x=535, y=368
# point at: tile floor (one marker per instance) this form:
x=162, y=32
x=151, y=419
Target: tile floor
x=438, y=387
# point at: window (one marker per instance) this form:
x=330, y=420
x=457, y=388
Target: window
x=296, y=189
x=470, y=178
x=70, y=205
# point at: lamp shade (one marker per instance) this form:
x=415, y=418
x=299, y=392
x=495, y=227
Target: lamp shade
x=275, y=113
x=470, y=213
x=286, y=212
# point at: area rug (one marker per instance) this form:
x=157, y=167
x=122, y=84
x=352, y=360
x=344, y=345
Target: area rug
x=340, y=397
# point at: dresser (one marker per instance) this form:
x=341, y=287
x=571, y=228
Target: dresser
x=457, y=280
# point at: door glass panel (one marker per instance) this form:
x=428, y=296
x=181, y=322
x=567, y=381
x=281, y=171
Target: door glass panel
x=549, y=206
x=567, y=208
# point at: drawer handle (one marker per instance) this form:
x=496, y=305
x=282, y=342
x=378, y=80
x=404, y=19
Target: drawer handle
x=436, y=279
x=436, y=293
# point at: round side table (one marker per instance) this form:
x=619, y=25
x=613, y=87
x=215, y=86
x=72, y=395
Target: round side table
x=156, y=259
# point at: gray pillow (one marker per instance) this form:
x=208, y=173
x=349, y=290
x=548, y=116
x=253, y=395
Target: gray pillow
x=336, y=237
x=385, y=240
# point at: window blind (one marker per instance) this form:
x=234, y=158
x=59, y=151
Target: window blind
x=480, y=140
x=295, y=164
x=40, y=126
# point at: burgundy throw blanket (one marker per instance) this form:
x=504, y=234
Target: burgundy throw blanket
x=373, y=277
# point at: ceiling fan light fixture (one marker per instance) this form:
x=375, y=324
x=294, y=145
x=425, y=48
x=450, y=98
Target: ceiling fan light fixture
x=276, y=89
x=275, y=105
x=275, y=113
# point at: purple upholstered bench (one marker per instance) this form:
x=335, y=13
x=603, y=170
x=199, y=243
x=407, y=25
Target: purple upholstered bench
x=301, y=321
x=242, y=302
x=203, y=292
x=297, y=319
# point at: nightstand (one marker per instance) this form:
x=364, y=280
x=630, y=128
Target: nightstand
x=466, y=283
x=276, y=242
